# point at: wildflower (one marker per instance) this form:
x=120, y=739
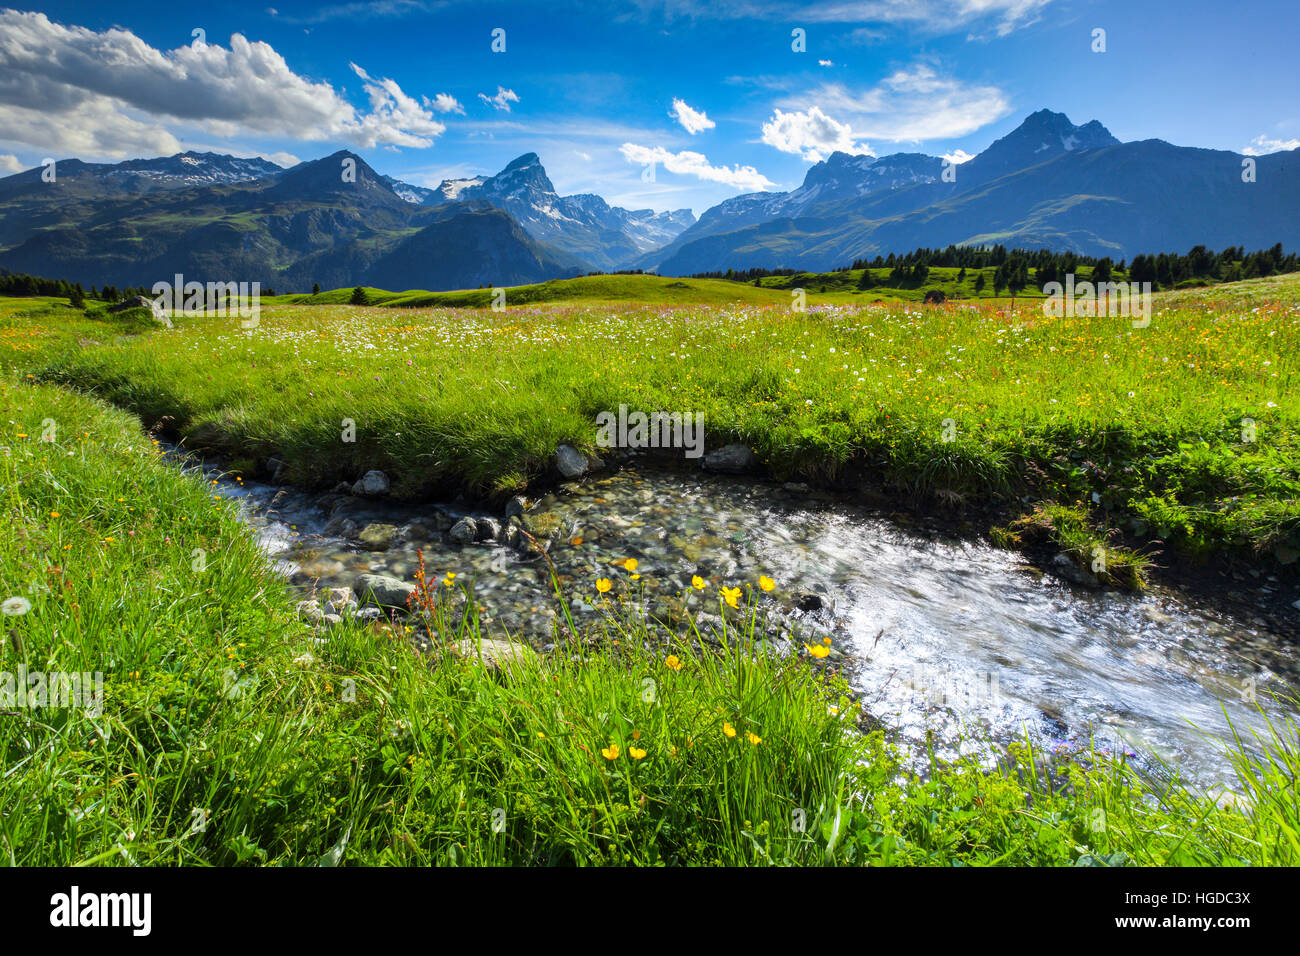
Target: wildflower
x=755, y=739
x=636, y=753
x=603, y=584
x=765, y=582
x=672, y=662
x=727, y=729
x=821, y=650
x=731, y=596
x=610, y=752
x=54, y=514
x=697, y=582
x=630, y=564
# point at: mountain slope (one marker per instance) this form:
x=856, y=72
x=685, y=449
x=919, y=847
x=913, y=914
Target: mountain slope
x=584, y=225
x=1048, y=184
x=334, y=214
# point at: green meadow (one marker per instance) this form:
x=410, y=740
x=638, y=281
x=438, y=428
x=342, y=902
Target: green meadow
x=231, y=733
x=1175, y=440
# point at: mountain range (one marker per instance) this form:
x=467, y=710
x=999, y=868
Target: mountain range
x=336, y=221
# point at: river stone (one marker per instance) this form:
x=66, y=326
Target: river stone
x=543, y=525
x=464, y=531
x=495, y=654
x=373, y=484
x=275, y=468
x=486, y=529
x=733, y=459
x=570, y=462
x=378, y=537
x=339, y=600
x=811, y=601
x=310, y=612
x=1068, y=568
x=515, y=506
x=340, y=526
x=384, y=590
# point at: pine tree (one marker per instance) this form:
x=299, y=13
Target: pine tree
x=358, y=296
x=315, y=288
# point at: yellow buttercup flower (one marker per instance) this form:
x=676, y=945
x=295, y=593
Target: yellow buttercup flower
x=755, y=739
x=731, y=596
x=765, y=582
x=672, y=662
x=610, y=752
x=636, y=753
x=820, y=650
x=603, y=584
x=697, y=582
x=727, y=729
x=630, y=564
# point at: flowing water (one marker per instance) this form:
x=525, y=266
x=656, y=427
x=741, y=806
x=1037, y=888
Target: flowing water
x=946, y=638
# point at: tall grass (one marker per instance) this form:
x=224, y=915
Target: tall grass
x=232, y=734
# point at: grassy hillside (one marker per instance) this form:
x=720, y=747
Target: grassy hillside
x=589, y=290
x=820, y=287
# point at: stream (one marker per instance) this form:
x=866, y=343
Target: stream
x=947, y=640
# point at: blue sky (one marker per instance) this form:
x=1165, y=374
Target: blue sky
x=592, y=86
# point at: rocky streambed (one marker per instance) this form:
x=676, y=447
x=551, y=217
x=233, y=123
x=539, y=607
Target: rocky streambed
x=950, y=642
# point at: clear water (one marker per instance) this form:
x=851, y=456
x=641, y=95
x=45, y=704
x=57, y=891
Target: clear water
x=948, y=638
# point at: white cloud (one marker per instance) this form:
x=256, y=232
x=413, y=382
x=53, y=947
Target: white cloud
x=811, y=134
x=693, y=121
x=909, y=105
x=281, y=159
x=958, y=156
x=444, y=103
x=686, y=163
x=825, y=62
x=394, y=118
x=1262, y=145
x=9, y=164
x=111, y=94
x=502, y=100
